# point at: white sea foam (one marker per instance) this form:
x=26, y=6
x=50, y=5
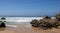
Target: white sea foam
x=12, y=26
x=21, y=19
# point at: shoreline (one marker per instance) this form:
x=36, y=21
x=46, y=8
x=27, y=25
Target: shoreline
x=27, y=29
x=21, y=19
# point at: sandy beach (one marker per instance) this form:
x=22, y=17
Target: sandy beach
x=23, y=26
x=26, y=29
x=29, y=16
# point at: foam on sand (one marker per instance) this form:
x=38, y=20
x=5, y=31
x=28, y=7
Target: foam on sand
x=12, y=26
x=28, y=26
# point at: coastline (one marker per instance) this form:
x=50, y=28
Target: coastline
x=21, y=19
x=24, y=27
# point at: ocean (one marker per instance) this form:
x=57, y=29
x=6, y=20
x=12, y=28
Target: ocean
x=20, y=20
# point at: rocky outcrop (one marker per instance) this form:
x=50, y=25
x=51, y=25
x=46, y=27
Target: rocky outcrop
x=47, y=21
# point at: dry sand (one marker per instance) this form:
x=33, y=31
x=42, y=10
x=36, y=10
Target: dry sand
x=27, y=29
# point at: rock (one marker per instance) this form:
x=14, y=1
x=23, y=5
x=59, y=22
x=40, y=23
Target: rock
x=2, y=22
x=47, y=22
x=46, y=17
x=53, y=22
x=58, y=19
x=3, y=18
x=2, y=25
x=34, y=23
x=57, y=16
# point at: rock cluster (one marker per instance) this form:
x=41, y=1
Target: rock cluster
x=47, y=22
x=2, y=22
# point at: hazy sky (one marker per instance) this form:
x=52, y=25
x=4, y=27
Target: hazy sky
x=29, y=7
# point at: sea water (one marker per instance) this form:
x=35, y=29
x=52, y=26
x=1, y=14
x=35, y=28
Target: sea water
x=20, y=20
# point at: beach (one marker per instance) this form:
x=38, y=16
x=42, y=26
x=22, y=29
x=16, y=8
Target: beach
x=24, y=26
x=29, y=16
x=26, y=29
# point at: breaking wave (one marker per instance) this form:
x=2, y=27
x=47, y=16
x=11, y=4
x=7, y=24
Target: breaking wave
x=21, y=19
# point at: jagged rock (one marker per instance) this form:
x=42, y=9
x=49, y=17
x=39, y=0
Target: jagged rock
x=34, y=23
x=47, y=22
x=42, y=23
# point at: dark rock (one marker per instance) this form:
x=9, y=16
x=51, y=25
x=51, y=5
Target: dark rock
x=47, y=22
x=3, y=18
x=34, y=23
x=2, y=25
x=46, y=17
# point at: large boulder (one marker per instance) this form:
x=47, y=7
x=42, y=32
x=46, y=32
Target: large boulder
x=2, y=25
x=34, y=23
x=45, y=21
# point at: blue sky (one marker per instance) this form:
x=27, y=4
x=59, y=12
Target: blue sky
x=29, y=7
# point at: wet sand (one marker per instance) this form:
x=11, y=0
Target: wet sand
x=27, y=29
x=7, y=30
